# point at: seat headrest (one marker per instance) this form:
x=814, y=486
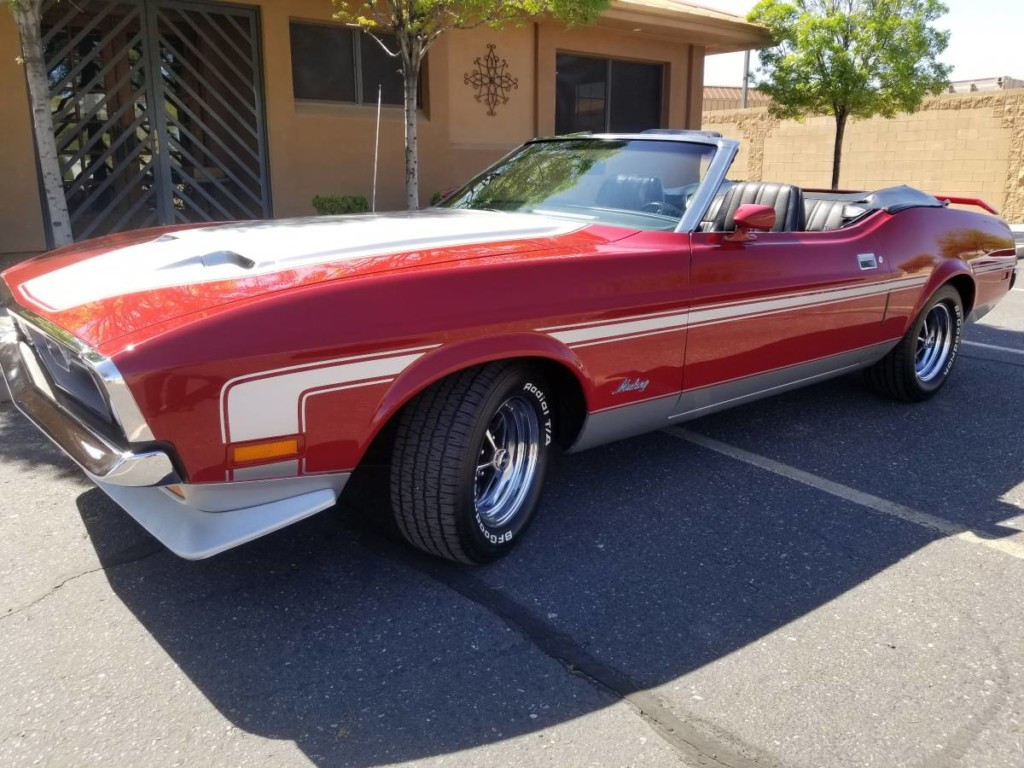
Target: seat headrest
x=786, y=199
x=631, y=193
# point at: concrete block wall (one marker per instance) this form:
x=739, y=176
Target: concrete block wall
x=957, y=144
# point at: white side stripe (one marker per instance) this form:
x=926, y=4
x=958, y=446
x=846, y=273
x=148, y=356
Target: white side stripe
x=993, y=268
x=587, y=334
x=735, y=312
x=323, y=391
x=620, y=329
x=267, y=404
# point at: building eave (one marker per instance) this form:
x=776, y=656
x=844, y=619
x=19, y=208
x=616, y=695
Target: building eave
x=716, y=31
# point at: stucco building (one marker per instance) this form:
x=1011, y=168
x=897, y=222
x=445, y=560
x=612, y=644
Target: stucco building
x=171, y=110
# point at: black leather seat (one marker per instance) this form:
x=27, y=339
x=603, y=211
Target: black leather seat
x=786, y=199
x=823, y=215
x=707, y=224
x=630, y=193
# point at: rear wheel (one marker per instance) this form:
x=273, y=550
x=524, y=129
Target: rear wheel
x=920, y=364
x=469, y=460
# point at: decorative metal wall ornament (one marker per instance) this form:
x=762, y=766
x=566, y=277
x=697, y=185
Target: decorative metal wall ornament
x=491, y=80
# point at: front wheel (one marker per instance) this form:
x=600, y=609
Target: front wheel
x=919, y=365
x=469, y=461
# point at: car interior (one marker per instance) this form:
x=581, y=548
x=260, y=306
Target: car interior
x=794, y=212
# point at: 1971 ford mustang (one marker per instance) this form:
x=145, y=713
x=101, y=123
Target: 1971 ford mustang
x=220, y=382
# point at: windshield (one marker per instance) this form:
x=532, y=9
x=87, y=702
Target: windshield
x=628, y=183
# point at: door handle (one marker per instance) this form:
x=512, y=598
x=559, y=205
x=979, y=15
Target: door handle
x=867, y=261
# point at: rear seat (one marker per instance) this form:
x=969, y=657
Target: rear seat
x=786, y=199
x=820, y=215
x=823, y=215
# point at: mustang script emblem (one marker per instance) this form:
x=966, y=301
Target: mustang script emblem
x=632, y=385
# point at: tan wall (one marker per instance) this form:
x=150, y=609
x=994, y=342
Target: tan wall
x=21, y=216
x=970, y=145
x=325, y=148
x=469, y=125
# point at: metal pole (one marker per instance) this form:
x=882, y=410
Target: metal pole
x=746, y=79
x=376, y=151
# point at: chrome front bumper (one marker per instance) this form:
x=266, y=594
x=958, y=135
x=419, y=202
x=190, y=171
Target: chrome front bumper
x=195, y=521
x=97, y=454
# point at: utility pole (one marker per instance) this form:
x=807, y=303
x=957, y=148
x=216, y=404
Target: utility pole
x=746, y=79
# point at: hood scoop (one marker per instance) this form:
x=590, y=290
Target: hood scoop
x=227, y=257
x=211, y=259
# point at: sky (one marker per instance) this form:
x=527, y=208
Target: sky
x=987, y=40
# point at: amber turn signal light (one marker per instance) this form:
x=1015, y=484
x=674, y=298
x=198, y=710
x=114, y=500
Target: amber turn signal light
x=271, y=449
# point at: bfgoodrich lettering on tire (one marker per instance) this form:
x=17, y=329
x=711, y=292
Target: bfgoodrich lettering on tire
x=469, y=460
x=920, y=364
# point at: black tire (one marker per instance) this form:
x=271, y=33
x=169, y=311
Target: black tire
x=441, y=439
x=899, y=375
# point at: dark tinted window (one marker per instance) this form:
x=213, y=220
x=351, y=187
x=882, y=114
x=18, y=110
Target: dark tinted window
x=581, y=93
x=323, y=62
x=636, y=97
x=335, y=63
x=606, y=95
x=381, y=69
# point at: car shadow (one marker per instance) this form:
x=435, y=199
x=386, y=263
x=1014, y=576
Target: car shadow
x=652, y=557
x=27, y=447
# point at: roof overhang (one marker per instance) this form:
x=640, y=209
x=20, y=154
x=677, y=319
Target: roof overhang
x=718, y=32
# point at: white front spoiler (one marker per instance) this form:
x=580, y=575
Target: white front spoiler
x=193, y=533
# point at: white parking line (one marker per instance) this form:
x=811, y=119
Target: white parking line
x=874, y=503
x=1011, y=350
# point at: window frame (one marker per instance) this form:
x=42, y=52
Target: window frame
x=609, y=95
x=358, y=38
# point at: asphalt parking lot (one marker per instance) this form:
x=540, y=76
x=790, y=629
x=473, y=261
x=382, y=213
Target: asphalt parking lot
x=826, y=578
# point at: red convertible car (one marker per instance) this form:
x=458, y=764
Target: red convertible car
x=220, y=382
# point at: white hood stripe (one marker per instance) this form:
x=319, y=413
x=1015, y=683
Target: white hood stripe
x=195, y=256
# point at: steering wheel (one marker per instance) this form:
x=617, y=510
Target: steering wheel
x=661, y=208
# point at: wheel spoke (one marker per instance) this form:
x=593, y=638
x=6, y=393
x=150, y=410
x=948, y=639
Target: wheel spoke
x=490, y=439
x=504, y=483
x=934, y=343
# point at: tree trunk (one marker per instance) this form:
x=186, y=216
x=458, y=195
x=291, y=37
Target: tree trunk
x=837, y=151
x=411, y=73
x=29, y=17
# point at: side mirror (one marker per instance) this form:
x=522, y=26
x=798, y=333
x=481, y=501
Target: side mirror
x=444, y=195
x=750, y=217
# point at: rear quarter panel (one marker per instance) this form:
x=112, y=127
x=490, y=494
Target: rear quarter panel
x=945, y=244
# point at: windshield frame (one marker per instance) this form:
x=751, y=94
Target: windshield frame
x=718, y=168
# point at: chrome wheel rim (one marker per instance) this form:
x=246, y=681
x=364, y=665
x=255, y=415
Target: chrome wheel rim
x=507, y=462
x=934, y=343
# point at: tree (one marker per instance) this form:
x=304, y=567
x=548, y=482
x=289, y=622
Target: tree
x=850, y=58
x=417, y=24
x=28, y=15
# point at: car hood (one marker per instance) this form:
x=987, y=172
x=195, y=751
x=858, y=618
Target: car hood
x=104, y=289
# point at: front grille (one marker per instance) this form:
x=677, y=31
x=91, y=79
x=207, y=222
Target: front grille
x=67, y=372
